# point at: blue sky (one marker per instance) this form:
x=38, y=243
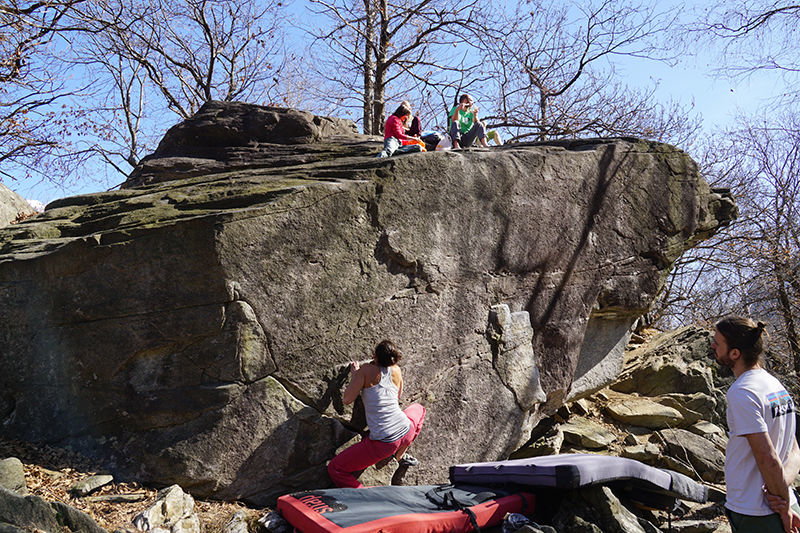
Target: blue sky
x=717, y=100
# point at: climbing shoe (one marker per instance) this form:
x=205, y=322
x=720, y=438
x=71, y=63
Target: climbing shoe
x=408, y=460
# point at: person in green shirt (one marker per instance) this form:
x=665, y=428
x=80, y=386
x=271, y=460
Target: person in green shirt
x=464, y=124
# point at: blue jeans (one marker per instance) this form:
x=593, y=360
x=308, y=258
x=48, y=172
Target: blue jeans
x=465, y=140
x=390, y=146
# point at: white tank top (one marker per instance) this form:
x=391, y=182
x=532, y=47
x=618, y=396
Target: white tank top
x=386, y=421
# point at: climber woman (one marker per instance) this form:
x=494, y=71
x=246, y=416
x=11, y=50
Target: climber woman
x=391, y=430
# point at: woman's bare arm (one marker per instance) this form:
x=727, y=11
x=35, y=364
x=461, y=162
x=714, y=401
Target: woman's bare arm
x=397, y=379
x=356, y=384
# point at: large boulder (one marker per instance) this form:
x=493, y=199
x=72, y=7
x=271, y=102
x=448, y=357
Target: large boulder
x=195, y=327
x=12, y=206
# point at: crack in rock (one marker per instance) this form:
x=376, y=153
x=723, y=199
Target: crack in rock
x=397, y=263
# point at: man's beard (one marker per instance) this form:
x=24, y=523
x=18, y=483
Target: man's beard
x=725, y=364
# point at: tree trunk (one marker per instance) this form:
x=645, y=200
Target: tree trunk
x=378, y=104
x=369, y=65
x=542, y=114
x=788, y=318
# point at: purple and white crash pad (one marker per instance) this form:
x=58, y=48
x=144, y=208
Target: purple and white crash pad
x=576, y=470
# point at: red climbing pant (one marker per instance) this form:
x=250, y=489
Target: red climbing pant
x=368, y=452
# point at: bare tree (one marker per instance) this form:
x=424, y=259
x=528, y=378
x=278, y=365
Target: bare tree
x=743, y=18
x=754, y=35
x=752, y=267
x=34, y=111
x=372, y=51
x=554, y=76
x=148, y=60
x=773, y=238
x=191, y=51
x=153, y=59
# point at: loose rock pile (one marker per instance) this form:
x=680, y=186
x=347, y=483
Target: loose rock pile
x=63, y=489
x=665, y=410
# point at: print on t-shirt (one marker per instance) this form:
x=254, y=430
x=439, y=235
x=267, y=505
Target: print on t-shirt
x=780, y=403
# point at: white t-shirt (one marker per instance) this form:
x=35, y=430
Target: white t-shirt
x=757, y=403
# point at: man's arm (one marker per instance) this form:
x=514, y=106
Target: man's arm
x=790, y=468
x=772, y=471
x=792, y=465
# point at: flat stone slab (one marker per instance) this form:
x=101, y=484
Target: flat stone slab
x=90, y=484
x=117, y=498
x=587, y=433
x=643, y=412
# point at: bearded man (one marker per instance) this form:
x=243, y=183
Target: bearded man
x=762, y=457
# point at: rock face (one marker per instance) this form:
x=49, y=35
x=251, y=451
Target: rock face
x=12, y=206
x=195, y=327
x=231, y=136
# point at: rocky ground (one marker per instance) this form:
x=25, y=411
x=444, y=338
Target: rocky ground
x=666, y=410
x=51, y=473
